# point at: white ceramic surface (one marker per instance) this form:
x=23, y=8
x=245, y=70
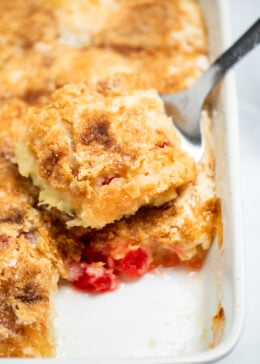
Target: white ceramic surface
x=242, y=14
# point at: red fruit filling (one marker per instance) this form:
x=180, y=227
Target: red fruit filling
x=101, y=271
x=92, y=278
x=107, y=180
x=170, y=261
x=195, y=263
x=164, y=144
x=4, y=240
x=135, y=263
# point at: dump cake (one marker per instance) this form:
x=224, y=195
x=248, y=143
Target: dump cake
x=178, y=233
x=77, y=49
x=34, y=253
x=27, y=276
x=101, y=151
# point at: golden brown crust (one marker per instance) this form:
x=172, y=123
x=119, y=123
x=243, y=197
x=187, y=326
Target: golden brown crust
x=22, y=24
x=25, y=305
x=33, y=253
x=107, y=149
x=164, y=42
x=185, y=226
x=159, y=25
x=27, y=278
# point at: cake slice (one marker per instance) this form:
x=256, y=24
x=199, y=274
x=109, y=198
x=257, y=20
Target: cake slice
x=27, y=278
x=100, y=151
x=33, y=253
x=177, y=233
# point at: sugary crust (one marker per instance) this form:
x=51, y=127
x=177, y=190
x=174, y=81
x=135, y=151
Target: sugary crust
x=25, y=300
x=32, y=257
x=22, y=24
x=166, y=44
x=159, y=24
x=27, y=277
x=107, y=149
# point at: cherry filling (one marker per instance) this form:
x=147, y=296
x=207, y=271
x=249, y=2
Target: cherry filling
x=100, y=272
x=106, y=181
x=4, y=241
x=135, y=263
x=93, y=278
x=164, y=144
x=102, y=268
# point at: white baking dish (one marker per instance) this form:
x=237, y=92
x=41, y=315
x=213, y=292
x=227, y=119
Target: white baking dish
x=166, y=317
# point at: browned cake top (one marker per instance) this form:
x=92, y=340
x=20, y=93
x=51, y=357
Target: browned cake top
x=27, y=277
x=99, y=151
x=164, y=42
x=32, y=253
